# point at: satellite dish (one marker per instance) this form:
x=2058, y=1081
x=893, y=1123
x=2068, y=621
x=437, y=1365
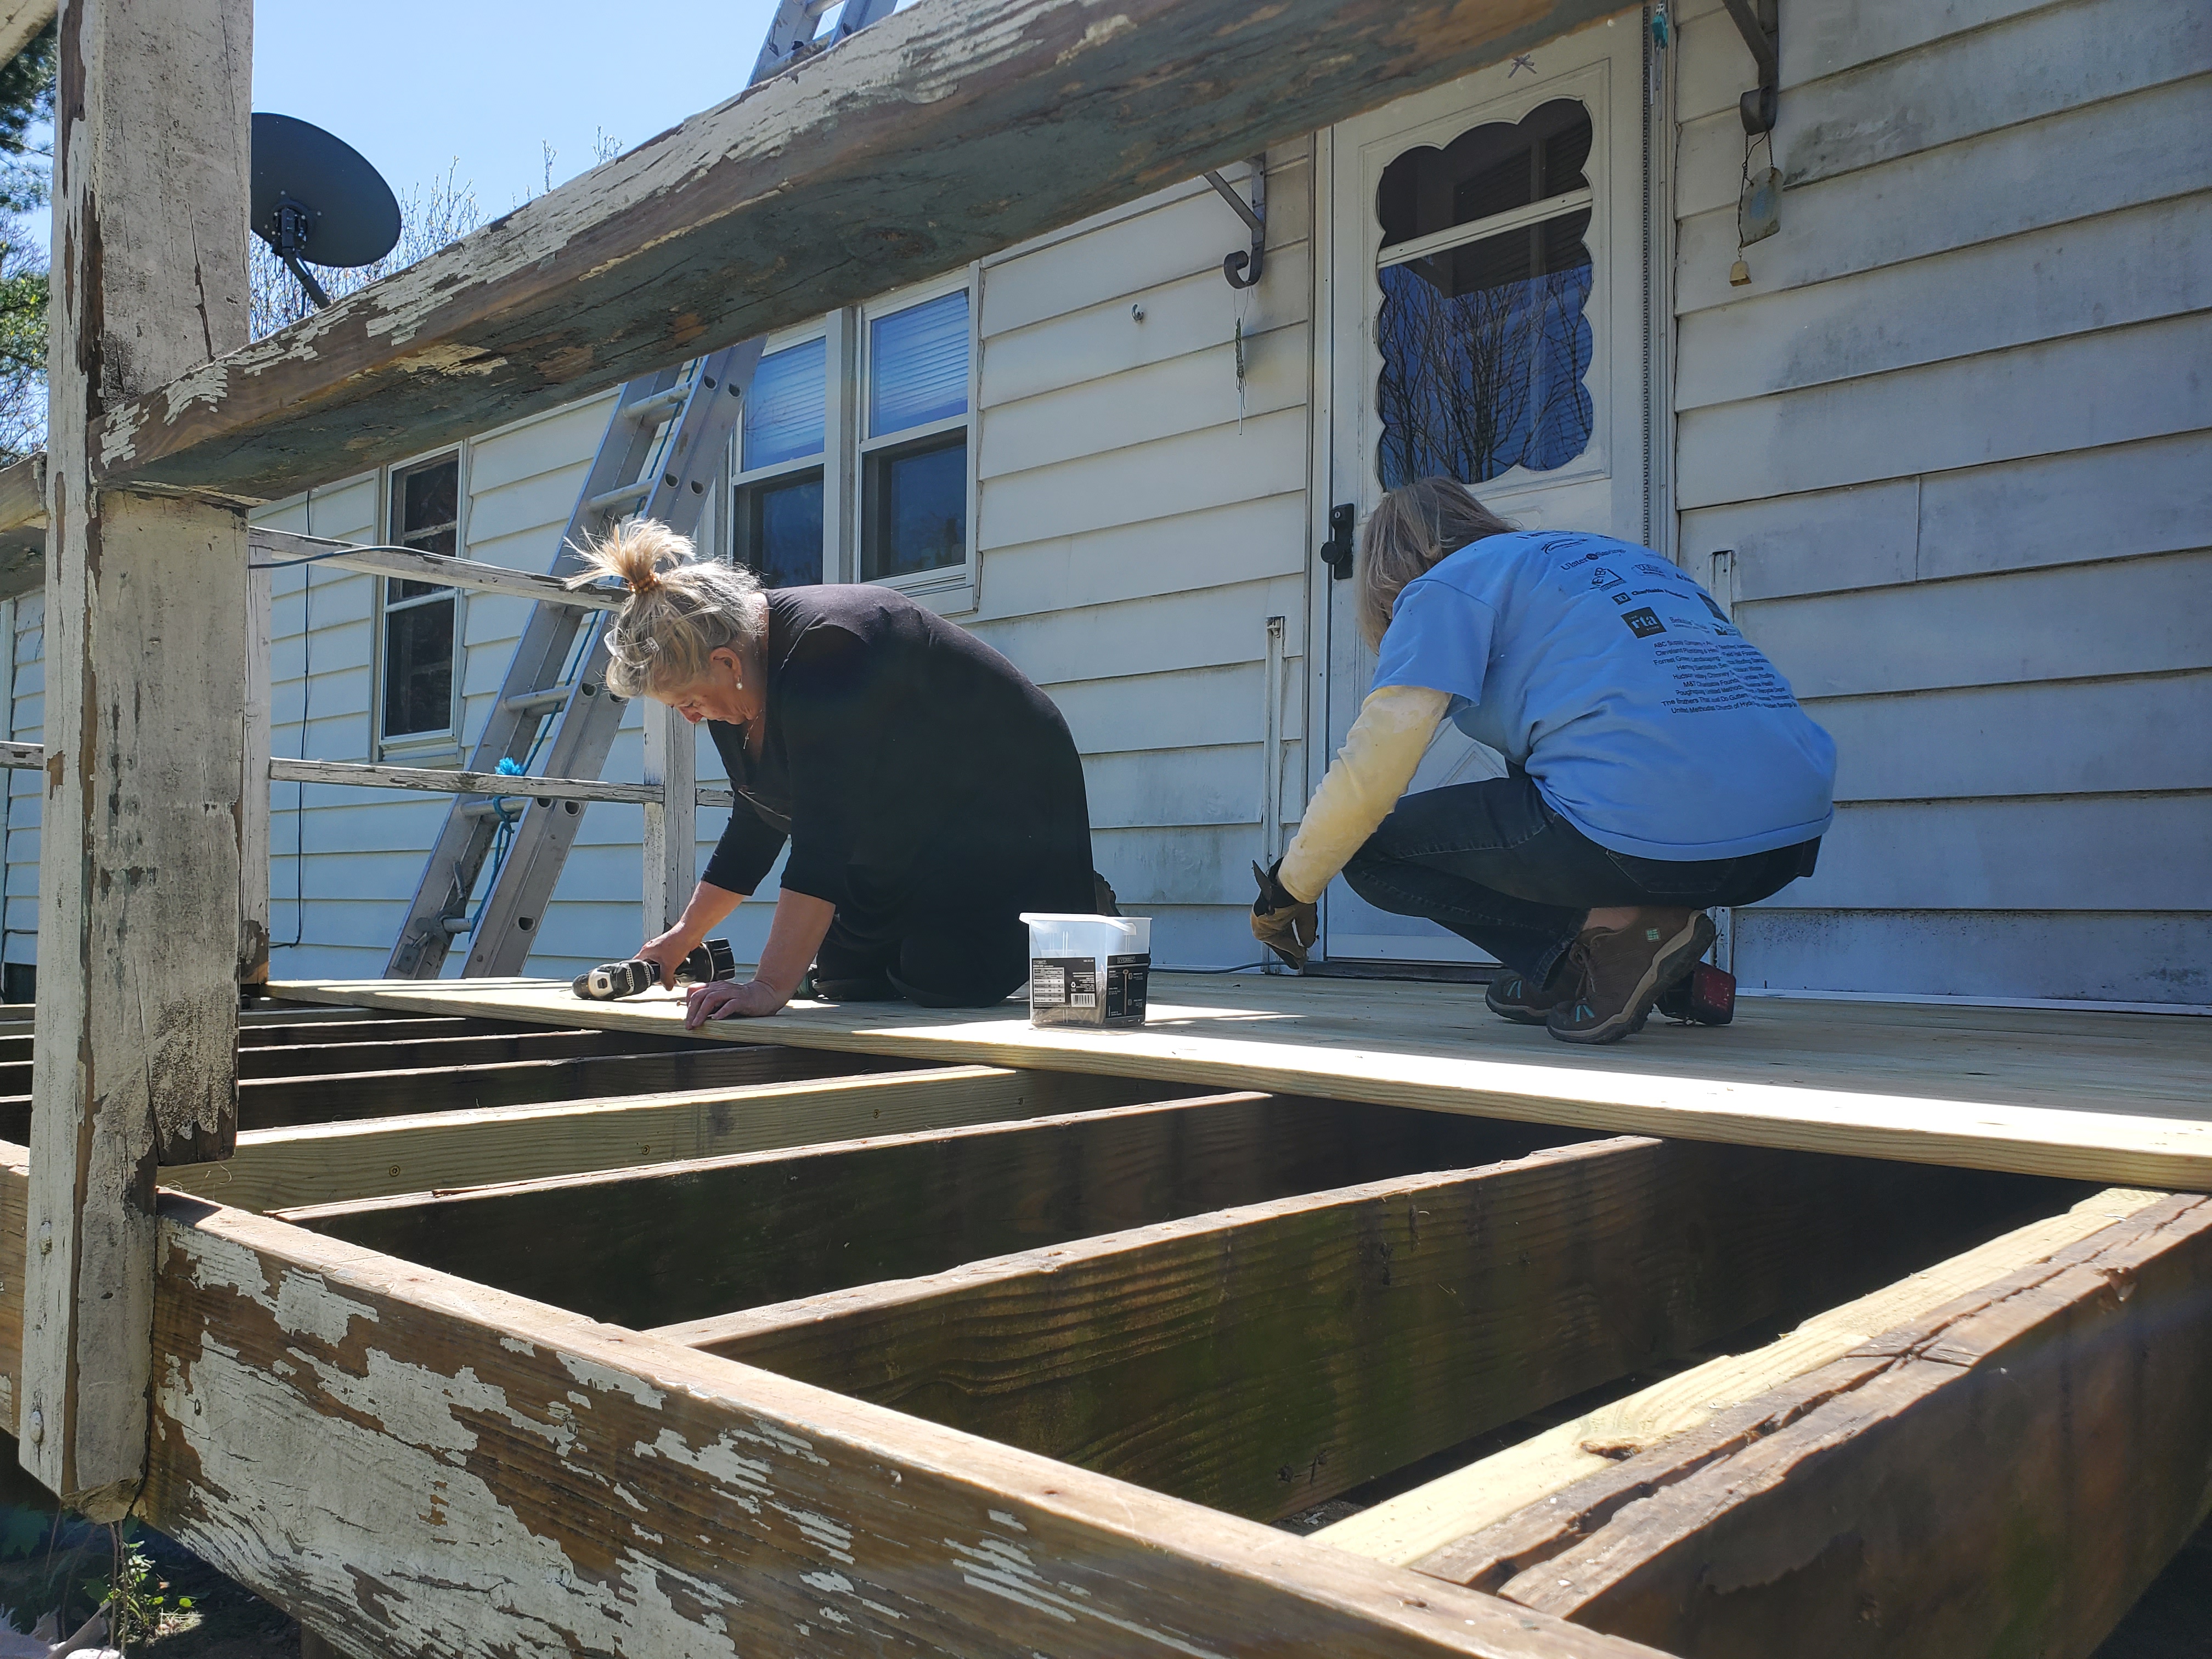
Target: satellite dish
x=315, y=198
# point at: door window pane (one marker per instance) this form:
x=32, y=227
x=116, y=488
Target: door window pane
x=784, y=412
x=917, y=509
x=780, y=524
x=1485, y=346
x=918, y=365
x=418, y=668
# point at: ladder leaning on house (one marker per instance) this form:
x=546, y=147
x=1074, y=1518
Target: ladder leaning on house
x=663, y=445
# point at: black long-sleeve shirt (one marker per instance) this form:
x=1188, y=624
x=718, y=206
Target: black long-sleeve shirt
x=906, y=762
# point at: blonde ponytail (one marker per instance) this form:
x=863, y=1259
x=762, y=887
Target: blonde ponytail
x=682, y=608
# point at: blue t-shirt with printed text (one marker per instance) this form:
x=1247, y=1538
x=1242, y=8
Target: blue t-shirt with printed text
x=1646, y=720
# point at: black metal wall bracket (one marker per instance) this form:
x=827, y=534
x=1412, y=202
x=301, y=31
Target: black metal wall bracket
x=1336, y=551
x=1760, y=25
x=1242, y=269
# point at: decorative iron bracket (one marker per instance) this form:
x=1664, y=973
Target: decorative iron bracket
x=1760, y=25
x=1242, y=269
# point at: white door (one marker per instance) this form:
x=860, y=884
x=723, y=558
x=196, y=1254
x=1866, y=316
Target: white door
x=1485, y=311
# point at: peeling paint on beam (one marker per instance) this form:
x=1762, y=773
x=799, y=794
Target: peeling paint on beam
x=433, y=1467
x=943, y=133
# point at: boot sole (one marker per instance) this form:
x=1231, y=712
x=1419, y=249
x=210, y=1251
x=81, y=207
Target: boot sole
x=1681, y=955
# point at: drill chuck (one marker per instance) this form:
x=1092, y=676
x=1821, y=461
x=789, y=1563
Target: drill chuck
x=611, y=981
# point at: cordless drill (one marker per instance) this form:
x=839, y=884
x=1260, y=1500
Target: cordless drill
x=610, y=980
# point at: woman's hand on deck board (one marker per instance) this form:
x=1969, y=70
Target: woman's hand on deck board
x=753, y=1000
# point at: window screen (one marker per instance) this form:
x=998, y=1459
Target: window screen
x=918, y=365
x=785, y=413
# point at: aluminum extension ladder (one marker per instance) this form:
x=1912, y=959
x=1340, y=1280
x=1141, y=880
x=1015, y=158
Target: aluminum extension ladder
x=661, y=457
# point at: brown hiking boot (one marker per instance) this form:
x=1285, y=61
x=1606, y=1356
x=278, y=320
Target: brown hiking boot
x=1520, y=999
x=1621, y=973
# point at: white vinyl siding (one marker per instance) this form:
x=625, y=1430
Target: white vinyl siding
x=1137, y=526
x=1957, y=435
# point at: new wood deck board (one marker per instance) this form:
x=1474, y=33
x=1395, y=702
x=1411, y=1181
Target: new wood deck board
x=2122, y=1099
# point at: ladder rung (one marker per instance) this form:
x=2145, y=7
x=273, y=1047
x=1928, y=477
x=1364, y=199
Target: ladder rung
x=456, y=925
x=628, y=492
x=531, y=702
x=659, y=403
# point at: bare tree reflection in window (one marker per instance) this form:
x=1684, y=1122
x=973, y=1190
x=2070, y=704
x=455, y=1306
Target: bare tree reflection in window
x=1485, y=345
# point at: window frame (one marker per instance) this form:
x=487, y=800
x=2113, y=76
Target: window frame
x=420, y=747
x=744, y=480
x=954, y=583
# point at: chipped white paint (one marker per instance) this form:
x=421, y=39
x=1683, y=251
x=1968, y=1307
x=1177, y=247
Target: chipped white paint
x=306, y=1307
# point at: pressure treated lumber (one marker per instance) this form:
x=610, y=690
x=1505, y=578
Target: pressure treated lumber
x=440, y=1151
x=685, y=1240
x=1263, y=1359
x=1403, y=1529
x=2119, y=1099
x=140, y=896
x=280, y=548
x=309, y=1059
x=275, y=1102
x=426, y=1466
x=2007, y=1472
x=946, y=132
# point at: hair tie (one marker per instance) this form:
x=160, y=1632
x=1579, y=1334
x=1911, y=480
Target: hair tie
x=644, y=583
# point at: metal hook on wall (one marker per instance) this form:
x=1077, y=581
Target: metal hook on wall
x=1241, y=268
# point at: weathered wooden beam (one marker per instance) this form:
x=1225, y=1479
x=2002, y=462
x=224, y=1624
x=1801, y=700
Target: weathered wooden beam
x=1264, y=1359
x=1401, y=1531
x=417, y=1464
x=948, y=131
x=435, y=780
x=2009, y=1471
x=140, y=851
x=280, y=548
x=21, y=20
x=336, y=1162
x=681, y=1241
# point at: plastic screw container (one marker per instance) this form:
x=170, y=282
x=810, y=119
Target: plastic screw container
x=1089, y=970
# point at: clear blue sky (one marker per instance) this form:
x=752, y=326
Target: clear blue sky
x=417, y=86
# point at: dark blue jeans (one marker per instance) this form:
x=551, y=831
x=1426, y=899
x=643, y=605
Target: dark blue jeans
x=1492, y=862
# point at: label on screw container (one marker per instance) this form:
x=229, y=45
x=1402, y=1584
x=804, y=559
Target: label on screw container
x=1069, y=982
x=1067, y=991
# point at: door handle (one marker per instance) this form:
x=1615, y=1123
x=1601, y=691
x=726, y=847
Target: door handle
x=1336, y=551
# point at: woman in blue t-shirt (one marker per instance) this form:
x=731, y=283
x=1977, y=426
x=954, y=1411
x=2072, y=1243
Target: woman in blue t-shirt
x=1659, y=765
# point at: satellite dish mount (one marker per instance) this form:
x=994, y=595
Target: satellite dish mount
x=315, y=198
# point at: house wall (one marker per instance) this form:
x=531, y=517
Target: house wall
x=1139, y=519
x=345, y=861
x=1139, y=522
x=1955, y=432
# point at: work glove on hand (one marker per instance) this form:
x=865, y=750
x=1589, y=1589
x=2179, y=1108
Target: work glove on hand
x=1286, y=926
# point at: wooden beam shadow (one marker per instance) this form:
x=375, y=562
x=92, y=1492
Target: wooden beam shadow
x=2024, y=1459
x=1264, y=1359
x=678, y=1242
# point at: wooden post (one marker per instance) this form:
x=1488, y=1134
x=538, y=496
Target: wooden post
x=139, y=895
x=671, y=856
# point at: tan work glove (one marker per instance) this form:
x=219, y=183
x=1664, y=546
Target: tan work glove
x=1286, y=926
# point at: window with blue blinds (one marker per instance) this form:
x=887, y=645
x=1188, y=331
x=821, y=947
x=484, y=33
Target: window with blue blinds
x=785, y=413
x=918, y=365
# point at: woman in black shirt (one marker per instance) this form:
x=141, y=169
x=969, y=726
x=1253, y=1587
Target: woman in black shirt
x=929, y=793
